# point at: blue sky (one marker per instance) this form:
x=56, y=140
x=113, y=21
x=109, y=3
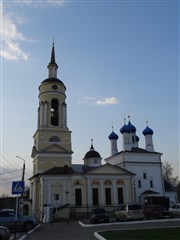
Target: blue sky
x=116, y=58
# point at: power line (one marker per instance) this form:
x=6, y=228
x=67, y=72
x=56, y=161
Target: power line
x=10, y=171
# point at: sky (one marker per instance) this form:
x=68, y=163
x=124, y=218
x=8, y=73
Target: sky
x=116, y=59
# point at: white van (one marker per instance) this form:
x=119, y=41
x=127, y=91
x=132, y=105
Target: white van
x=129, y=211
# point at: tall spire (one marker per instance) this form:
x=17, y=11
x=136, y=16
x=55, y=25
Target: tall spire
x=53, y=55
x=52, y=66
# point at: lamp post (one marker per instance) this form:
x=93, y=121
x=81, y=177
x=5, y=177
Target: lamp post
x=23, y=173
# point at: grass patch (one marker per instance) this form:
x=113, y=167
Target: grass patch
x=143, y=234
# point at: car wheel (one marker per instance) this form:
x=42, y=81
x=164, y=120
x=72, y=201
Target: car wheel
x=117, y=219
x=28, y=226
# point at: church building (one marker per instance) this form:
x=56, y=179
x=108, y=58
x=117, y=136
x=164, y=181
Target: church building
x=56, y=181
x=127, y=176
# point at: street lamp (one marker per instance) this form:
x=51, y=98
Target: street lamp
x=23, y=173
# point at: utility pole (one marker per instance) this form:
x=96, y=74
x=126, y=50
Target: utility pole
x=23, y=175
x=23, y=172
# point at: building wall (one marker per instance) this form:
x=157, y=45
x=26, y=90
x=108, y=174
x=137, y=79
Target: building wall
x=148, y=170
x=56, y=191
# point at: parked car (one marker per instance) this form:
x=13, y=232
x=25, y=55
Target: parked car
x=99, y=215
x=157, y=211
x=24, y=223
x=175, y=209
x=4, y=233
x=129, y=211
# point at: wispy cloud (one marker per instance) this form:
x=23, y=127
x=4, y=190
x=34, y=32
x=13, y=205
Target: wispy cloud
x=11, y=38
x=107, y=101
x=98, y=101
x=41, y=3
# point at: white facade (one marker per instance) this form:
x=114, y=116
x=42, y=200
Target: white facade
x=147, y=169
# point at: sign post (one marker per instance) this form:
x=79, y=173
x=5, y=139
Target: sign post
x=17, y=188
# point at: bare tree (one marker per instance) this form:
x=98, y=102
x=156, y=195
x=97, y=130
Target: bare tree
x=168, y=174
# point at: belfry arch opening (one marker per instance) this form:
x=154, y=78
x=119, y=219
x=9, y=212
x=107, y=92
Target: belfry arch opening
x=54, y=112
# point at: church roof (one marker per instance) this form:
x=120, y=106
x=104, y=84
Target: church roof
x=52, y=60
x=53, y=80
x=124, y=129
x=81, y=168
x=133, y=150
x=59, y=171
x=131, y=127
x=148, y=131
x=147, y=192
x=128, y=128
x=92, y=153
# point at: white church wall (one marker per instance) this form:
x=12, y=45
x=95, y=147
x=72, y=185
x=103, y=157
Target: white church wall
x=141, y=157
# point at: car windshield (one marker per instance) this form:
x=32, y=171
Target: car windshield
x=134, y=207
x=99, y=211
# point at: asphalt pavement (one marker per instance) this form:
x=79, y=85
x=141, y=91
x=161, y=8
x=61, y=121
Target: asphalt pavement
x=82, y=230
x=61, y=231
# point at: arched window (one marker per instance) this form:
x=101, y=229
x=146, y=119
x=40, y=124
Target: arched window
x=54, y=112
x=54, y=139
x=107, y=182
x=120, y=182
x=95, y=182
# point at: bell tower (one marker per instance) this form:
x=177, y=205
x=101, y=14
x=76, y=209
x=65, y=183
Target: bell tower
x=52, y=139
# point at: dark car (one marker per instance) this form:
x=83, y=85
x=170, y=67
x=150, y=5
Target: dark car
x=157, y=211
x=4, y=233
x=99, y=215
x=23, y=223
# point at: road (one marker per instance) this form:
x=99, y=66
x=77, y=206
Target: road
x=82, y=230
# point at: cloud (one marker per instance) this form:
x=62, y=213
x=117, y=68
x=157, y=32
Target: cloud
x=11, y=37
x=99, y=102
x=107, y=101
x=41, y=3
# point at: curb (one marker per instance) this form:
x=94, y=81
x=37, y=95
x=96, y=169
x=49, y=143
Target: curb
x=31, y=231
x=96, y=235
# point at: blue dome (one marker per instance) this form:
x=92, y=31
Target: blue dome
x=148, y=131
x=137, y=138
x=112, y=136
x=125, y=129
x=131, y=127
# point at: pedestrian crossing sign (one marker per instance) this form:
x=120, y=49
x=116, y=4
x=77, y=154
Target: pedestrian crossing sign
x=18, y=187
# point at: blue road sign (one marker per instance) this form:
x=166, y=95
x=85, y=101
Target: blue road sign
x=18, y=187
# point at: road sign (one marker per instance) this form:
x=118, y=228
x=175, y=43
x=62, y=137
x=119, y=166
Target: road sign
x=18, y=187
